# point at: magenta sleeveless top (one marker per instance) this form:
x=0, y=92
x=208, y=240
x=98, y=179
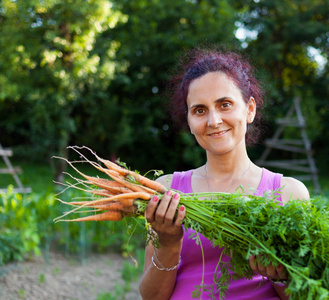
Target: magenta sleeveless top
x=189, y=273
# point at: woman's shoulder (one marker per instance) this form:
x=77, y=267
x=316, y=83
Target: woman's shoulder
x=177, y=178
x=293, y=188
x=165, y=180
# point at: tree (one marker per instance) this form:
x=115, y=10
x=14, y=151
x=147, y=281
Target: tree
x=150, y=41
x=284, y=35
x=50, y=67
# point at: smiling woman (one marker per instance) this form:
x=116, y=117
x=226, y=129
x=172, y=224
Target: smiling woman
x=217, y=95
x=217, y=114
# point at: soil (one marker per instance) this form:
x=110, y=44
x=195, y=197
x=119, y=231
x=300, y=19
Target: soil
x=99, y=277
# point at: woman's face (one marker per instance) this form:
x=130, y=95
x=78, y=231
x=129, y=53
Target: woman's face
x=217, y=113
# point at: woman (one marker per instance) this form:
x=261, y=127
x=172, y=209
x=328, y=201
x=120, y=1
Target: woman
x=220, y=99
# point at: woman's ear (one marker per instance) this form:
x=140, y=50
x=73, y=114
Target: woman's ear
x=251, y=106
x=188, y=124
x=190, y=129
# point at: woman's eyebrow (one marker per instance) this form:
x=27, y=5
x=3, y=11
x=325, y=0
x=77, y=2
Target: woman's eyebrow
x=223, y=99
x=197, y=105
x=216, y=101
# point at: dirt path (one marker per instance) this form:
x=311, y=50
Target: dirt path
x=99, y=278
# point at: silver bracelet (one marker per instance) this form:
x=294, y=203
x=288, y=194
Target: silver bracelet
x=162, y=268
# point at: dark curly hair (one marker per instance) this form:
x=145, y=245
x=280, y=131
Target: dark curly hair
x=200, y=61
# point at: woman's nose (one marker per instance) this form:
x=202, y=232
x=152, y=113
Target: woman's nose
x=214, y=120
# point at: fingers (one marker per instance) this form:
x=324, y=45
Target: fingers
x=268, y=271
x=167, y=208
x=281, y=271
x=171, y=211
x=180, y=216
x=253, y=264
x=164, y=211
x=151, y=208
x=261, y=267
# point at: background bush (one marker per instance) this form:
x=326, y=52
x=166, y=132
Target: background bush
x=94, y=73
x=27, y=228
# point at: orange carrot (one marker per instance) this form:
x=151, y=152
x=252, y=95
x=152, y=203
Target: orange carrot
x=127, y=207
x=116, y=171
x=132, y=186
x=110, y=215
x=111, y=206
x=113, y=166
x=125, y=198
x=100, y=182
x=134, y=195
x=127, y=202
x=129, y=210
x=154, y=185
x=117, y=195
x=120, y=197
x=92, y=203
x=120, y=190
x=101, y=192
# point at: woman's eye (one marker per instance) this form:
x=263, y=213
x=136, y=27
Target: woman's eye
x=226, y=105
x=199, y=111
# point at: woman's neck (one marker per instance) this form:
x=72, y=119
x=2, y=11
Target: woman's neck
x=229, y=164
x=225, y=173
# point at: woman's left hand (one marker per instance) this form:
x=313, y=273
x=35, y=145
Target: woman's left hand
x=271, y=272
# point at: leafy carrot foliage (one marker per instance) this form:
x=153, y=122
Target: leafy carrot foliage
x=295, y=234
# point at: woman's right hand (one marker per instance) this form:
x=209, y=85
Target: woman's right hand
x=163, y=218
x=166, y=221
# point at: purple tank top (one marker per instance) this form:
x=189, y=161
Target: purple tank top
x=189, y=273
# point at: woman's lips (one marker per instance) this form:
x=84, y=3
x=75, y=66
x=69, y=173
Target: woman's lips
x=218, y=133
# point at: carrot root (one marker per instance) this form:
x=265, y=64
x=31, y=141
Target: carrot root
x=110, y=215
x=154, y=185
x=117, y=193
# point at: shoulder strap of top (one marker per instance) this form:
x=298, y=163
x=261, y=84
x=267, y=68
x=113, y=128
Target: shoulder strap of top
x=269, y=182
x=181, y=181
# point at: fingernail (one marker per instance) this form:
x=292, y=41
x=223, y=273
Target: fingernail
x=176, y=196
x=155, y=198
x=169, y=193
x=182, y=208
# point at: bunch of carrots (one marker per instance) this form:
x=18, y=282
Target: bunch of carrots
x=295, y=234
x=116, y=194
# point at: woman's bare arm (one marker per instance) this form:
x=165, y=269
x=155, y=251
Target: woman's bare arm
x=155, y=283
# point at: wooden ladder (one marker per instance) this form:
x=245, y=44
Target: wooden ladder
x=5, y=153
x=302, y=145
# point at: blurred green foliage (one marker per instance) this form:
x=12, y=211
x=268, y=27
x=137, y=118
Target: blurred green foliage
x=49, y=68
x=18, y=233
x=291, y=51
x=94, y=72
x=27, y=228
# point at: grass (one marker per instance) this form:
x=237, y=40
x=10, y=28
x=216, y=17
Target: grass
x=38, y=176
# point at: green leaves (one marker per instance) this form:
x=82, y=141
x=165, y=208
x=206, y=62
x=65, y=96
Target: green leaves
x=19, y=234
x=295, y=234
x=53, y=65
